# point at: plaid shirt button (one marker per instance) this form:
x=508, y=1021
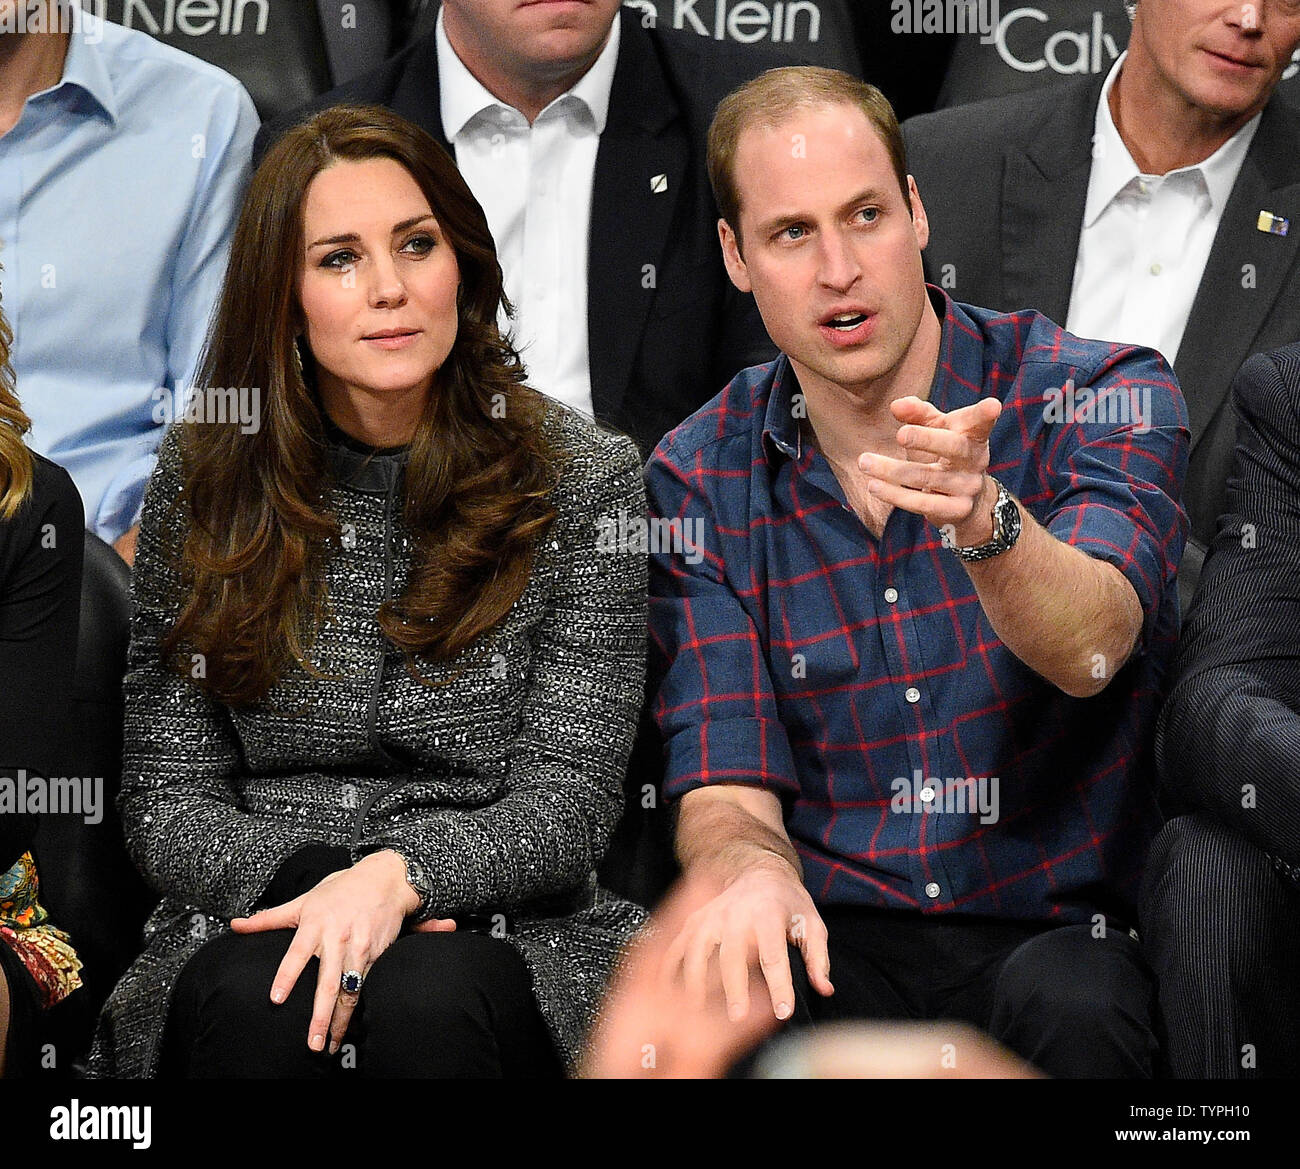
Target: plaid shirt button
x=932, y=890
x=891, y=595
x=912, y=694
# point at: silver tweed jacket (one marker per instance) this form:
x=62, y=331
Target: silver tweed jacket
x=503, y=784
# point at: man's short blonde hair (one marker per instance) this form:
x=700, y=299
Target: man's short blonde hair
x=770, y=99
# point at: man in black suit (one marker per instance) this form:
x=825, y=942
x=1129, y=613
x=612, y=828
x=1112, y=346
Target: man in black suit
x=1158, y=204
x=586, y=127
x=1221, y=903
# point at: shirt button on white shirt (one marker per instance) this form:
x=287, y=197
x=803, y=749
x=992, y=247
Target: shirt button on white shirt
x=891, y=595
x=912, y=694
x=932, y=890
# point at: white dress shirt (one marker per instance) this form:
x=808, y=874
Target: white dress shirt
x=1146, y=238
x=535, y=183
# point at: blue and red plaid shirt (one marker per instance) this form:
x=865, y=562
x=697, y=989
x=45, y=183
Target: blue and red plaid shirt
x=921, y=765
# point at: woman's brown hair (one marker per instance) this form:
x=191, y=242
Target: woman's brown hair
x=16, y=467
x=480, y=469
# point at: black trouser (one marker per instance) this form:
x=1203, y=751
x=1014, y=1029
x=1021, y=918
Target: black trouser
x=1222, y=931
x=433, y=1005
x=1070, y=1002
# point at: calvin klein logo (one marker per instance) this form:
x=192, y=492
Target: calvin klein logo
x=749, y=21
x=194, y=18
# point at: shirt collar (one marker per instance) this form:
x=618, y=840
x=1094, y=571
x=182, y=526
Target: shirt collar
x=84, y=64
x=463, y=97
x=1113, y=166
x=958, y=378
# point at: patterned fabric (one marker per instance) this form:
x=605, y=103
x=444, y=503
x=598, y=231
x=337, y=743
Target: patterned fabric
x=25, y=927
x=503, y=780
x=922, y=765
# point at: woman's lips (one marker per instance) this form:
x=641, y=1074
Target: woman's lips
x=401, y=341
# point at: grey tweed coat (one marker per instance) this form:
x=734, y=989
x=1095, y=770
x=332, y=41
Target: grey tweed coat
x=504, y=784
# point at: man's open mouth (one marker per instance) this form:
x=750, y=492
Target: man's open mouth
x=845, y=322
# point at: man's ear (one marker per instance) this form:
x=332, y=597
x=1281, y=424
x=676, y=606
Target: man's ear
x=731, y=257
x=920, y=224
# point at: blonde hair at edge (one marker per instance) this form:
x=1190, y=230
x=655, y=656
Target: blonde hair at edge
x=15, y=458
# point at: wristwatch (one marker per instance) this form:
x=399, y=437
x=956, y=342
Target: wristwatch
x=1006, y=530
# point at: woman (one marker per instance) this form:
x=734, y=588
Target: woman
x=41, y=526
x=382, y=685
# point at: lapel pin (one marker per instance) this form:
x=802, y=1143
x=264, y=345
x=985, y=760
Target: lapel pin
x=1273, y=224
x=659, y=184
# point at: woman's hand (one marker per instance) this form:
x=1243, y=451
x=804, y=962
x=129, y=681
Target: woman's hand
x=346, y=921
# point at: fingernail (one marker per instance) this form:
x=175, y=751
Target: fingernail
x=334, y=1046
x=782, y=1010
x=277, y=995
x=318, y=1042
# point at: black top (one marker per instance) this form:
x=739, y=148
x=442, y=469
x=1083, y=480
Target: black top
x=41, y=550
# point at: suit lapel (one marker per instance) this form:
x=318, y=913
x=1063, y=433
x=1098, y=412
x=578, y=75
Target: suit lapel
x=417, y=95
x=1245, y=271
x=641, y=164
x=1044, y=190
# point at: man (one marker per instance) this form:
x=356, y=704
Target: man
x=1159, y=205
x=581, y=131
x=121, y=165
x=1221, y=908
x=909, y=616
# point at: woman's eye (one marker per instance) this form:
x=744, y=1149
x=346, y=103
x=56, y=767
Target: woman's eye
x=422, y=245
x=344, y=258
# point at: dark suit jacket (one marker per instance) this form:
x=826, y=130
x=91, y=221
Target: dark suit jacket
x=1233, y=713
x=657, y=353
x=1004, y=184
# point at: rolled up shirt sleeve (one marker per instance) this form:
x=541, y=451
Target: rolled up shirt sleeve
x=711, y=692
x=1116, y=472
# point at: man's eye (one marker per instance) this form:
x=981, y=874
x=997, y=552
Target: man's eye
x=870, y=214
x=795, y=231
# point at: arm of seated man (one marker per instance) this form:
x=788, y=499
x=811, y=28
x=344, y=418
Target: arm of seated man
x=734, y=837
x=1024, y=590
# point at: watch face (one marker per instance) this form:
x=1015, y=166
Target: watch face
x=1009, y=521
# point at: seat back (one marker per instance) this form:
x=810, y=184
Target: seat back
x=88, y=883
x=276, y=48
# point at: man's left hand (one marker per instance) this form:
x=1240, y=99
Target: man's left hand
x=943, y=477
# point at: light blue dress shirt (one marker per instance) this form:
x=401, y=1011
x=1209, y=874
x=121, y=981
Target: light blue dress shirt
x=119, y=189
